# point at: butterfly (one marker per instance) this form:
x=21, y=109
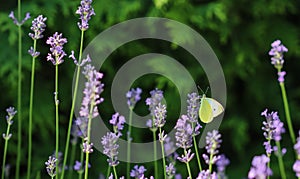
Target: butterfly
x=209, y=109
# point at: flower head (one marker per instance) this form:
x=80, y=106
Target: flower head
x=205, y=174
x=273, y=127
x=118, y=122
x=296, y=168
x=109, y=143
x=85, y=10
x=87, y=147
x=259, y=167
x=193, y=106
x=152, y=102
x=78, y=166
x=38, y=27
x=12, y=16
x=133, y=96
x=277, y=54
x=160, y=115
x=11, y=112
x=50, y=166
x=183, y=133
x=297, y=145
x=93, y=89
x=138, y=171
x=33, y=53
x=281, y=76
x=170, y=170
x=57, y=53
x=187, y=157
x=213, y=142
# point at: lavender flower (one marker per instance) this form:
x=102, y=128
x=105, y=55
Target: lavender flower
x=50, y=166
x=221, y=166
x=205, y=174
x=57, y=53
x=162, y=136
x=85, y=10
x=277, y=54
x=183, y=133
x=297, y=145
x=109, y=143
x=160, y=115
x=33, y=53
x=93, y=89
x=82, y=124
x=281, y=76
x=213, y=142
x=11, y=112
x=187, y=157
x=87, y=147
x=193, y=107
x=138, y=171
x=296, y=168
x=83, y=62
x=152, y=102
x=78, y=166
x=38, y=27
x=170, y=170
x=12, y=16
x=133, y=96
x=118, y=122
x=169, y=146
x=273, y=127
x=259, y=167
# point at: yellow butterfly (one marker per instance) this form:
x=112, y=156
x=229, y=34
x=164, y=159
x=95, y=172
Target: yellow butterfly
x=209, y=108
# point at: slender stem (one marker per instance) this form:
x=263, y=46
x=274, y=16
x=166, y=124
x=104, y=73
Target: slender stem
x=269, y=156
x=30, y=114
x=155, y=154
x=86, y=174
x=188, y=166
x=163, y=156
x=56, y=118
x=19, y=95
x=280, y=161
x=5, y=151
x=210, y=163
x=197, y=153
x=128, y=142
x=108, y=171
x=115, y=172
x=88, y=140
x=73, y=105
x=287, y=112
x=72, y=159
x=81, y=161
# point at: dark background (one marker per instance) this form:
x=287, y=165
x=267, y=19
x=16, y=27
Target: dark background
x=239, y=31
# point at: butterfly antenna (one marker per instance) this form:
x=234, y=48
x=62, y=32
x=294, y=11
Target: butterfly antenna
x=200, y=89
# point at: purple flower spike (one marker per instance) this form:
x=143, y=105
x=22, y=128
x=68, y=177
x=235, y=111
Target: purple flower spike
x=183, y=133
x=193, y=107
x=93, y=89
x=78, y=166
x=170, y=170
x=12, y=16
x=57, y=53
x=222, y=163
x=109, y=143
x=133, y=96
x=38, y=27
x=296, y=168
x=281, y=76
x=152, y=102
x=160, y=115
x=205, y=174
x=50, y=166
x=186, y=157
x=85, y=10
x=259, y=167
x=273, y=127
x=33, y=53
x=297, y=145
x=118, y=122
x=87, y=147
x=213, y=141
x=138, y=171
x=277, y=54
x=83, y=62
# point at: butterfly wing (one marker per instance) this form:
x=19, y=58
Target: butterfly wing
x=205, y=111
x=217, y=108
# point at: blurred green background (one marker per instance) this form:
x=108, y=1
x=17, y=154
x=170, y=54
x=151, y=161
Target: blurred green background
x=239, y=31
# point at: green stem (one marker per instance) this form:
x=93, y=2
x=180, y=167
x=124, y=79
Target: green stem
x=81, y=161
x=128, y=142
x=56, y=101
x=19, y=94
x=188, y=166
x=30, y=113
x=280, y=161
x=108, y=171
x=197, y=153
x=287, y=112
x=5, y=151
x=155, y=154
x=72, y=159
x=210, y=163
x=115, y=172
x=88, y=140
x=73, y=105
x=163, y=156
x=86, y=174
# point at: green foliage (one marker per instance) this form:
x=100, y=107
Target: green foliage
x=240, y=32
